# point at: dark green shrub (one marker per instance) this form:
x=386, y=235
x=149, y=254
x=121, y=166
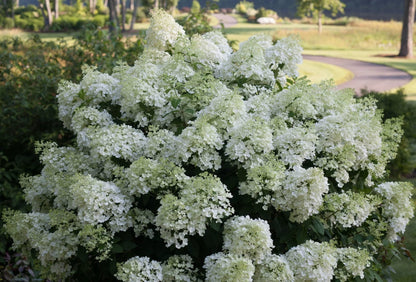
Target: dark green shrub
x=7, y=23
x=28, y=8
x=100, y=20
x=395, y=105
x=195, y=23
x=262, y=12
x=28, y=23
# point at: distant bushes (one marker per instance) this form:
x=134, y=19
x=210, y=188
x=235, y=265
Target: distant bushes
x=71, y=23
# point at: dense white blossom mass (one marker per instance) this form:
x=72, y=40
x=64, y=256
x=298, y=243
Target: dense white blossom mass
x=173, y=146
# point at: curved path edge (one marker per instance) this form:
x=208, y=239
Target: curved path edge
x=369, y=76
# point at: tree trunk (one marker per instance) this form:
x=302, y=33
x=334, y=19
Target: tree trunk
x=56, y=9
x=133, y=17
x=406, y=43
x=47, y=18
x=156, y=4
x=123, y=14
x=320, y=22
x=114, y=23
x=49, y=12
x=92, y=5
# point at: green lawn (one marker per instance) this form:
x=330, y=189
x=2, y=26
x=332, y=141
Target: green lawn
x=317, y=71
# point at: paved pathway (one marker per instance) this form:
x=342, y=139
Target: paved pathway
x=225, y=19
x=367, y=75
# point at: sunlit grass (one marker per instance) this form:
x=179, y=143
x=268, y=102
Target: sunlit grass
x=317, y=71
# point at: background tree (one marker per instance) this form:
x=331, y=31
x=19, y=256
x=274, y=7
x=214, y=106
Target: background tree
x=406, y=43
x=45, y=6
x=114, y=22
x=316, y=8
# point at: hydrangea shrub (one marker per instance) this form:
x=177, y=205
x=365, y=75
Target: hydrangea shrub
x=204, y=163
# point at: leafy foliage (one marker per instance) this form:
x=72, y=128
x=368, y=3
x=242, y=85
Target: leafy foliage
x=29, y=76
x=396, y=106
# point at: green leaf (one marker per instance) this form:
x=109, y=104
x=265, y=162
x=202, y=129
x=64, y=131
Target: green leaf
x=128, y=245
x=117, y=249
x=175, y=102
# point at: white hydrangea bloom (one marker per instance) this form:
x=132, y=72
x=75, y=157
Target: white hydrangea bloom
x=99, y=202
x=349, y=140
x=354, y=262
x=302, y=193
x=264, y=181
x=68, y=101
x=224, y=111
x=142, y=91
x=204, y=53
x=201, y=199
x=228, y=267
x=88, y=116
x=305, y=101
x=295, y=145
x=163, y=31
x=273, y=268
x=248, y=237
x=179, y=268
x=397, y=206
x=162, y=144
x=260, y=101
x=119, y=141
x=221, y=42
x=200, y=143
x=53, y=248
x=64, y=159
x=285, y=54
x=312, y=261
x=98, y=87
x=349, y=208
x=177, y=69
x=248, y=65
x=145, y=175
x=248, y=140
x=139, y=269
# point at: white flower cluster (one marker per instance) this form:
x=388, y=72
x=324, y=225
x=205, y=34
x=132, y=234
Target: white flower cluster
x=244, y=236
x=302, y=193
x=54, y=248
x=398, y=208
x=163, y=31
x=139, y=269
x=349, y=208
x=273, y=268
x=313, y=261
x=98, y=202
x=202, y=198
x=354, y=262
x=179, y=268
x=166, y=148
x=146, y=175
x=264, y=182
x=228, y=267
x=247, y=254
